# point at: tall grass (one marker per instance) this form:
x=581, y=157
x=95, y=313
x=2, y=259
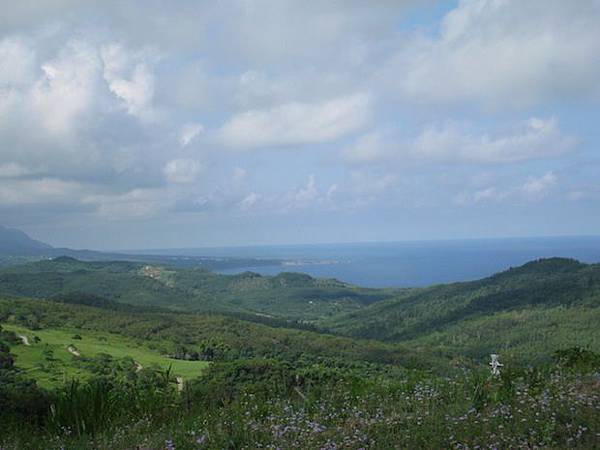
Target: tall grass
x=270, y=404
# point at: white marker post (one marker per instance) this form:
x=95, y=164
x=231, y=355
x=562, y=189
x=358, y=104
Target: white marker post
x=495, y=364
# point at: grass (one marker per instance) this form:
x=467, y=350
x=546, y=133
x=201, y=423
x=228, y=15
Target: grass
x=548, y=408
x=64, y=366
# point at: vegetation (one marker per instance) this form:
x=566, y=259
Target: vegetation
x=288, y=295
x=124, y=355
x=269, y=404
x=497, y=308
x=215, y=337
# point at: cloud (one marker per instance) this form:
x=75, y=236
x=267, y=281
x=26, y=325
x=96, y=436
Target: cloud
x=134, y=204
x=305, y=195
x=534, y=188
x=250, y=201
x=451, y=143
x=189, y=132
x=297, y=123
x=67, y=88
x=60, y=118
x=503, y=53
x=487, y=195
x=116, y=108
x=182, y=171
x=39, y=191
x=538, y=187
x=129, y=80
x=534, y=139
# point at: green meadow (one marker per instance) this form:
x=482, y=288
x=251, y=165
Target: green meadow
x=47, y=359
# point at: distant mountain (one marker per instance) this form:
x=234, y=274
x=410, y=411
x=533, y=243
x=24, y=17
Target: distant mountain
x=15, y=242
x=16, y=247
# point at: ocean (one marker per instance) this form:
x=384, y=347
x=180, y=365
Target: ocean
x=407, y=264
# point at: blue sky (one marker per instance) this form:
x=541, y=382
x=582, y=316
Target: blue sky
x=144, y=124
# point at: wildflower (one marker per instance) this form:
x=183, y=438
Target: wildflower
x=201, y=440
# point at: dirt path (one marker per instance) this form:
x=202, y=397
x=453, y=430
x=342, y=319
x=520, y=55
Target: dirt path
x=25, y=340
x=73, y=351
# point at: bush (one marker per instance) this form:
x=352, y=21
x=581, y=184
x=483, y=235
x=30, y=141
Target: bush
x=577, y=358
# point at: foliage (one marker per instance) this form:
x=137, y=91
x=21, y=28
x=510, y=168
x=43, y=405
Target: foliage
x=262, y=404
x=156, y=366
x=551, y=283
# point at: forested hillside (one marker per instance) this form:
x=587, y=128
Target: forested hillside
x=288, y=295
x=129, y=355
x=542, y=303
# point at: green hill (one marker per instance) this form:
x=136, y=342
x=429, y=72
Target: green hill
x=560, y=296
x=211, y=336
x=129, y=355
x=542, y=300
x=288, y=295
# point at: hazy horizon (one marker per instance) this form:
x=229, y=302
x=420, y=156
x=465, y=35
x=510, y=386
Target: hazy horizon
x=351, y=243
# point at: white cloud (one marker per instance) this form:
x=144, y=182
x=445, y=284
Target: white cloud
x=297, y=123
x=487, y=195
x=306, y=195
x=451, y=143
x=533, y=189
x=534, y=139
x=182, y=171
x=130, y=79
x=189, y=132
x=67, y=88
x=503, y=52
x=134, y=204
x=537, y=187
x=40, y=191
x=250, y=201
x=93, y=95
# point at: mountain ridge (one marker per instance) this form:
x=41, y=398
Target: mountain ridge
x=17, y=242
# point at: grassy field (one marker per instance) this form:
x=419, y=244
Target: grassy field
x=63, y=366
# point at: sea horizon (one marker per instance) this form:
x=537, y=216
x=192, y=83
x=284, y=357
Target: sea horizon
x=402, y=263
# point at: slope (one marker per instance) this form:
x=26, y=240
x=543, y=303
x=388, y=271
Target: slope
x=288, y=296
x=450, y=313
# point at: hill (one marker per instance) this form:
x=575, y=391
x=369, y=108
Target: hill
x=210, y=336
x=525, y=312
x=125, y=355
x=540, y=300
x=287, y=295
x=15, y=242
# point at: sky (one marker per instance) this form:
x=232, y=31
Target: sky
x=149, y=124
